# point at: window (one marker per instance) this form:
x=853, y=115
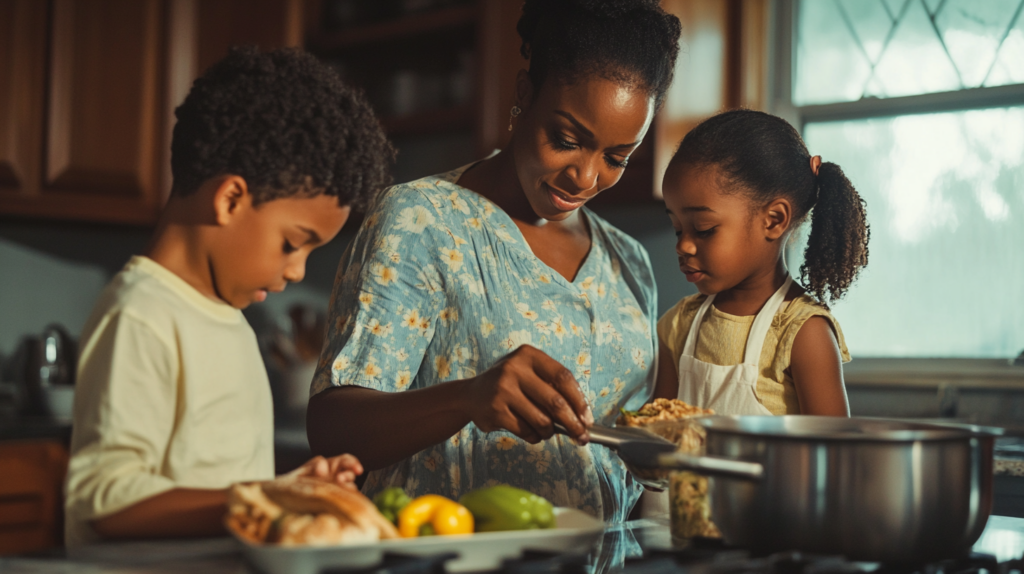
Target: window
x=921, y=102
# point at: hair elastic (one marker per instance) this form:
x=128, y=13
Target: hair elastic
x=815, y=164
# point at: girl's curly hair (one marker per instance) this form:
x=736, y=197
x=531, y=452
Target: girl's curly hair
x=286, y=123
x=629, y=41
x=762, y=156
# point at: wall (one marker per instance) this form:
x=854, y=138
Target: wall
x=53, y=271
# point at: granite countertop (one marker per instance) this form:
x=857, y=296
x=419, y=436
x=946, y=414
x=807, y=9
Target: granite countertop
x=1003, y=538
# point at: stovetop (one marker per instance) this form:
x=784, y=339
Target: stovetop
x=698, y=556
x=701, y=557
x=638, y=547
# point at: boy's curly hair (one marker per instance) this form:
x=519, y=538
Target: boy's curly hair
x=284, y=122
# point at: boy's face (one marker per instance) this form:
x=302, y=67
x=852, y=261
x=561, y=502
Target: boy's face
x=262, y=248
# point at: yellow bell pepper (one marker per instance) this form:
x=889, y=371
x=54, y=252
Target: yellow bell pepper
x=437, y=513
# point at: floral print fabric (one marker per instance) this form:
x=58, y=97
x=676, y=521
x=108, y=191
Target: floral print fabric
x=439, y=284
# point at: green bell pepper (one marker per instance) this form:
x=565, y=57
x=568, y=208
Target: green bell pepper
x=504, y=507
x=390, y=502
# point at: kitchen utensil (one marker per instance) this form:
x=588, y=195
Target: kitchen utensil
x=575, y=531
x=642, y=449
x=57, y=357
x=869, y=489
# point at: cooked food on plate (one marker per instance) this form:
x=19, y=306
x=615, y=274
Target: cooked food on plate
x=688, y=492
x=304, y=511
x=293, y=511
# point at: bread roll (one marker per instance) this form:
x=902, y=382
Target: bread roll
x=304, y=510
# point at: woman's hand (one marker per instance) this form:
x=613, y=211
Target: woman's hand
x=524, y=393
x=342, y=469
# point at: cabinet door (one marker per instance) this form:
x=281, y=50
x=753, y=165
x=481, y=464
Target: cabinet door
x=104, y=118
x=22, y=82
x=31, y=478
x=104, y=108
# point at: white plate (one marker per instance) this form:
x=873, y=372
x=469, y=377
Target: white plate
x=575, y=531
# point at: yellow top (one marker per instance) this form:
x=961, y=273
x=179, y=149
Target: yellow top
x=723, y=340
x=171, y=392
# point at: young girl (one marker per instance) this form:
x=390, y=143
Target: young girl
x=753, y=342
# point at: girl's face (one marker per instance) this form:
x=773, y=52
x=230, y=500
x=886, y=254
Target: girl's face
x=723, y=241
x=573, y=140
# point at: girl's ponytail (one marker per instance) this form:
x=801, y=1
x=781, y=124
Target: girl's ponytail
x=837, y=247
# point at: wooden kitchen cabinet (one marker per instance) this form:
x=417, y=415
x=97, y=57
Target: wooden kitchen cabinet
x=31, y=503
x=22, y=80
x=87, y=92
x=722, y=64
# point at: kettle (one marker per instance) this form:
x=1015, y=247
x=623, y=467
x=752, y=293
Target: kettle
x=53, y=362
x=48, y=365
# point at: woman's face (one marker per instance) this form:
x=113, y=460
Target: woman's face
x=572, y=141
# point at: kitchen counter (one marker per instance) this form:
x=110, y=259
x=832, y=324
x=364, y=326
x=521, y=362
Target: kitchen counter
x=34, y=428
x=1003, y=538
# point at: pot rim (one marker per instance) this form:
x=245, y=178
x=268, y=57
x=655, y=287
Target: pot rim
x=854, y=429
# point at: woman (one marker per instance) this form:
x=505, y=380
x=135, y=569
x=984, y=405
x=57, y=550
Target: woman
x=477, y=308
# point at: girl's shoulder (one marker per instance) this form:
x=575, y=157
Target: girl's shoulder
x=794, y=314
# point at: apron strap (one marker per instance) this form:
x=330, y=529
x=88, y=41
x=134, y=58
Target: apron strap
x=690, y=347
x=762, y=322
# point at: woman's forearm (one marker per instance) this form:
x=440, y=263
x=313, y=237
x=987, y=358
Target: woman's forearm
x=381, y=428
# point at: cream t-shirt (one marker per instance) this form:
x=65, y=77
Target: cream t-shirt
x=171, y=392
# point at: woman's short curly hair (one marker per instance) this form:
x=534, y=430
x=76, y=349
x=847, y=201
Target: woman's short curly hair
x=286, y=123
x=629, y=41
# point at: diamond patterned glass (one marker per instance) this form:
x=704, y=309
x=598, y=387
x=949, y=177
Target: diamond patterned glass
x=945, y=200
x=851, y=49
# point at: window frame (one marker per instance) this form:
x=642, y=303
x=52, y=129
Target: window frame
x=877, y=371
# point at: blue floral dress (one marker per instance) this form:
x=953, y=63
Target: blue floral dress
x=439, y=284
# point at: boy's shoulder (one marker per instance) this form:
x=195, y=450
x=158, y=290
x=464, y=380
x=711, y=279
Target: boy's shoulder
x=151, y=294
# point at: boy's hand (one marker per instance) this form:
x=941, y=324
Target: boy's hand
x=342, y=469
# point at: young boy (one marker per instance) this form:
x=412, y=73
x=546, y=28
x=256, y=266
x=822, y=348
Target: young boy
x=269, y=155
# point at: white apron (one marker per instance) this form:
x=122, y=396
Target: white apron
x=731, y=389
x=728, y=390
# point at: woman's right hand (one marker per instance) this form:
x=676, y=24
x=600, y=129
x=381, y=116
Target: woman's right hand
x=524, y=393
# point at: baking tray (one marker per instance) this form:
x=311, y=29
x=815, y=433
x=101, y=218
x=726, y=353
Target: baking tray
x=575, y=531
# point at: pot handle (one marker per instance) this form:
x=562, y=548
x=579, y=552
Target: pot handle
x=711, y=465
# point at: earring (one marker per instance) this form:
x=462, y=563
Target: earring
x=515, y=111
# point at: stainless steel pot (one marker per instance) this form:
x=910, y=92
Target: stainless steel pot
x=869, y=489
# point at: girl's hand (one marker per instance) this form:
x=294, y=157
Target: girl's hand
x=524, y=393
x=342, y=469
